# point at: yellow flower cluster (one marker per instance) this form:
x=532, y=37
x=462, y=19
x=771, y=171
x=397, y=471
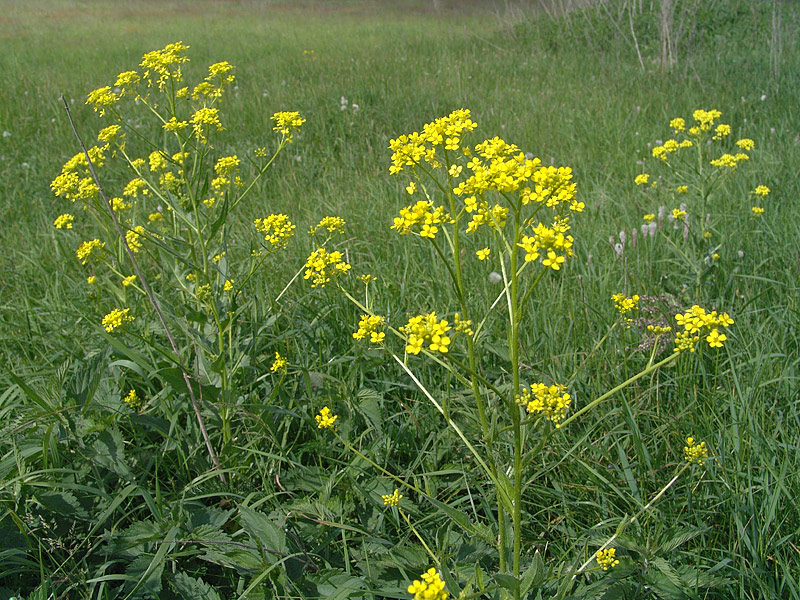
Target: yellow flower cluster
x=669, y=147
x=705, y=119
x=500, y=166
x=409, y=150
x=287, y=123
x=695, y=453
x=64, y=221
x=427, y=328
x=325, y=419
x=462, y=325
x=133, y=400
x=746, y=144
x=696, y=323
x=641, y=179
x=370, y=326
x=549, y=243
x=331, y=224
x=392, y=499
x=493, y=217
x=607, y=558
x=322, y=265
x=133, y=238
x=423, y=216
x=430, y=587
x=279, y=364
x=551, y=400
x=761, y=190
x=102, y=98
x=164, y=64
x=203, y=120
x=221, y=74
x=87, y=249
x=757, y=211
x=626, y=305
x=116, y=318
x=730, y=161
x=277, y=229
x=75, y=181
x=678, y=214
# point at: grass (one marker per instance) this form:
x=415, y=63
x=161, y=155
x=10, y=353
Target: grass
x=87, y=484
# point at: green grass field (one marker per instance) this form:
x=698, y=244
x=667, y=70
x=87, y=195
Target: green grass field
x=102, y=500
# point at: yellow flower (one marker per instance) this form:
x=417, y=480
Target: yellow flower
x=606, y=558
x=129, y=280
x=641, y=179
x=682, y=189
x=695, y=453
x=322, y=266
x=757, y=211
x=411, y=188
x=277, y=229
x=116, y=318
x=326, y=420
x=287, y=123
x=87, y=249
x=370, y=325
x=648, y=218
x=228, y=285
x=133, y=400
x=64, y=221
x=392, y=499
x=205, y=118
x=761, y=190
x=483, y=254
x=677, y=124
x=91, y=280
x=429, y=587
x=552, y=401
x=746, y=144
x=278, y=364
x=678, y=214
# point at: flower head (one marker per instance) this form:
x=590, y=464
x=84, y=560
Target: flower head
x=325, y=420
x=606, y=558
x=279, y=364
x=695, y=453
x=429, y=587
x=322, y=266
x=370, y=325
x=287, y=123
x=116, y=318
x=392, y=499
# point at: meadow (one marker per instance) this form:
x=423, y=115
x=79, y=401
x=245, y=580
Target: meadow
x=207, y=462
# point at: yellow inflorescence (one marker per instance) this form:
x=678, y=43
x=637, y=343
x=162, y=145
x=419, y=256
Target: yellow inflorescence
x=761, y=190
x=133, y=400
x=552, y=401
x=697, y=323
x=548, y=243
x=392, y=499
x=370, y=325
x=287, y=123
x=325, y=419
x=277, y=229
x=279, y=364
x=445, y=132
x=626, y=305
x=116, y=318
x=607, y=558
x=641, y=179
x=88, y=249
x=427, y=329
x=695, y=453
x=422, y=218
x=330, y=224
x=322, y=266
x=429, y=587
x=164, y=65
x=64, y=221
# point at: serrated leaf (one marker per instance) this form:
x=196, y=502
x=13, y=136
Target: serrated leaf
x=534, y=575
x=62, y=503
x=144, y=579
x=241, y=559
x=669, y=572
x=369, y=405
x=108, y=451
x=189, y=587
x=679, y=538
x=209, y=533
x=338, y=586
x=259, y=527
x=461, y=519
x=508, y=582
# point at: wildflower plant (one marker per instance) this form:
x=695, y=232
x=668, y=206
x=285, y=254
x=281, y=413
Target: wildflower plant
x=482, y=202
x=689, y=179
x=157, y=240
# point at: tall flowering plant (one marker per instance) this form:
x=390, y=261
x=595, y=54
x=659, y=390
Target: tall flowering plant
x=489, y=202
x=155, y=247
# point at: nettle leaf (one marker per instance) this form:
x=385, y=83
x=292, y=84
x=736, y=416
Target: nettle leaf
x=189, y=587
x=209, y=515
x=269, y=535
x=62, y=503
x=336, y=585
x=137, y=573
x=108, y=451
x=244, y=560
x=369, y=406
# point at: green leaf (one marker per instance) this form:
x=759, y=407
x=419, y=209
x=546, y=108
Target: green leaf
x=534, y=575
x=461, y=519
x=109, y=451
x=669, y=572
x=338, y=586
x=269, y=535
x=508, y=582
x=62, y=503
x=189, y=587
